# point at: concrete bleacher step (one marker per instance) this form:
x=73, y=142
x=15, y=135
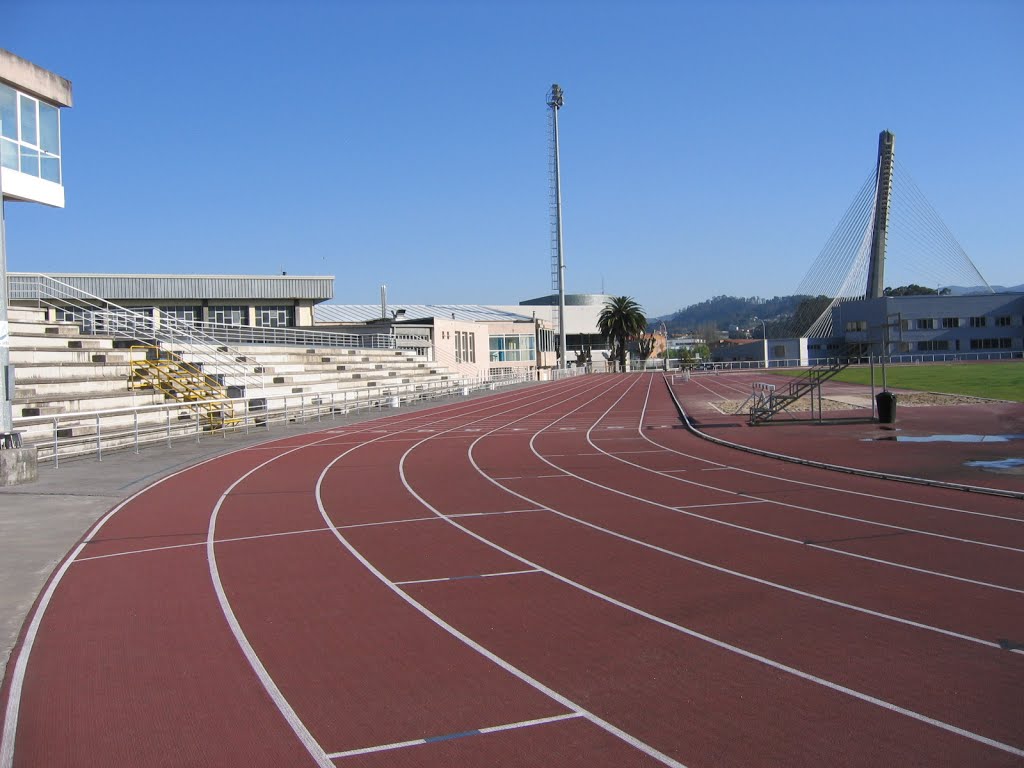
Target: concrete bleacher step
x=25, y=355
x=30, y=372
x=66, y=386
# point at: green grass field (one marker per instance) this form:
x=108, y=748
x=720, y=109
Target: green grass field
x=1001, y=381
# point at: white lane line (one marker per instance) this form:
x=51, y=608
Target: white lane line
x=450, y=736
x=711, y=640
x=760, y=532
x=265, y=536
x=748, y=577
x=317, y=752
x=723, y=504
x=22, y=654
x=834, y=489
x=494, y=658
x=465, y=578
x=314, y=749
x=488, y=514
x=532, y=477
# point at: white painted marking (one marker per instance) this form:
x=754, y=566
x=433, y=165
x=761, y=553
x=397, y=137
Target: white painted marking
x=488, y=514
x=465, y=578
x=515, y=671
x=745, y=576
x=470, y=731
x=722, y=504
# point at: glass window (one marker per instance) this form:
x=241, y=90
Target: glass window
x=26, y=126
x=472, y=347
x=49, y=168
x=1003, y=320
x=8, y=112
x=49, y=129
x=925, y=323
x=978, y=322
x=8, y=154
x=951, y=322
x=29, y=133
x=229, y=315
x=29, y=161
x=275, y=317
x=186, y=314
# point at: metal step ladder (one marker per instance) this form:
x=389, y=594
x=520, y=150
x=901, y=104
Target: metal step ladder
x=773, y=401
x=177, y=379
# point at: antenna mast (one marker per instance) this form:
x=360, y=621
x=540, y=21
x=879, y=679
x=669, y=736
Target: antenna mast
x=555, y=101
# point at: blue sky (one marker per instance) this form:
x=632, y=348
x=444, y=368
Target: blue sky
x=707, y=148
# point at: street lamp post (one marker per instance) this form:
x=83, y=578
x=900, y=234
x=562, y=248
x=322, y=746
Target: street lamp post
x=764, y=340
x=664, y=332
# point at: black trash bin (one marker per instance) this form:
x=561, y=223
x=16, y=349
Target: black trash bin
x=886, y=402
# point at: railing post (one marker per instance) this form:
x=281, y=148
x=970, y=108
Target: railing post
x=56, y=452
x=99, y=438
x=168, y=412
x=136, y=415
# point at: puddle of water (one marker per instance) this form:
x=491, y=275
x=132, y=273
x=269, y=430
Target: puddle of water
x=947, y=438
x=999, y=464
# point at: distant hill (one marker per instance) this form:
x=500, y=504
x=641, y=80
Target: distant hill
x=725, y=312
x=960, y=290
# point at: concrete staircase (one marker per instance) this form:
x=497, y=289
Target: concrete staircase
x=62, y=378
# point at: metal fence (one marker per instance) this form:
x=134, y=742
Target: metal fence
x=84, y=433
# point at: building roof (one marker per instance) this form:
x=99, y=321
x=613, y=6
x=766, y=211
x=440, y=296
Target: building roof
x=361, y=313
x=152, y=287
x=34, y=80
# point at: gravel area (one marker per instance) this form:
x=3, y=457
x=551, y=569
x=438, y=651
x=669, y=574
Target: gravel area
x=857, y=402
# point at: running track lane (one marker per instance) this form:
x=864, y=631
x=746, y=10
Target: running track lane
x=552, y=630
x=187, y=710
x=604, y=561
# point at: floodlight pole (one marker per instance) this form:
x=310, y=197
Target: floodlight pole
x=555, y=101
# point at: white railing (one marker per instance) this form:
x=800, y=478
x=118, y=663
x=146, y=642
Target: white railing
x=101, y=317
x=228, y=333
x=82, y=433
x=568, y=373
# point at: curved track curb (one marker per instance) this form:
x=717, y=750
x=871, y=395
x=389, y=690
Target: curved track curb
x=837, y=467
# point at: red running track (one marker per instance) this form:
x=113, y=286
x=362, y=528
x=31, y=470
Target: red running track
x=558, y=576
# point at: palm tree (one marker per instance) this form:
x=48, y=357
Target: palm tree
x=620, y=320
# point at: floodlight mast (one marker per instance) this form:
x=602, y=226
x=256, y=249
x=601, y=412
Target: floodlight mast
x=555, y=101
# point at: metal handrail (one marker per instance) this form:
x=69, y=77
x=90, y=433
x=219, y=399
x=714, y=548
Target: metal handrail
x=248, y=334
x=146, y=424
x=98, y=316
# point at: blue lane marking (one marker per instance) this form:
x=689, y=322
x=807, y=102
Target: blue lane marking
x=450, y=736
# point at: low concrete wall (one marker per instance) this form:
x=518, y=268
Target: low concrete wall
x=18, y=466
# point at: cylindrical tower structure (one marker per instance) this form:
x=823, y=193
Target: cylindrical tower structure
x=555, y=101
x=880, y=225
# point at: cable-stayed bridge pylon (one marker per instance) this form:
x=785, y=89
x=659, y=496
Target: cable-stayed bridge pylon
x=890, y=235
